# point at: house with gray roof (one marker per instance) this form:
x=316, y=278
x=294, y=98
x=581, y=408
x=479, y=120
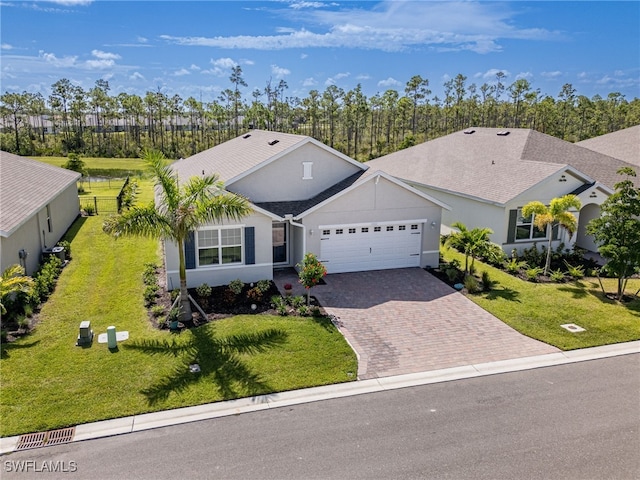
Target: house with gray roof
x=306, y=197
x=38, y=203
x=487, y=175
x=623, y=145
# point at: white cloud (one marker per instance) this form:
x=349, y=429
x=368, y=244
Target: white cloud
x=492, y=72
x=105, y=55
x=525, y=75
x=50, y=58
x=194, y=67
x=223, y=63
x=71, y=3
x=389, y=83
x=136, y=76
x=6, y=46
x=555, y=74
x=389, y=26
x=309, y=82
x=279, y=72
x=303, y=56
x=181, y=72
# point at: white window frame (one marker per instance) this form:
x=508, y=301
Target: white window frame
x=220, y=246
x=534, y=233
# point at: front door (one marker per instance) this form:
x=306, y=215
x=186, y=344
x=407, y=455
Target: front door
x=279, y=239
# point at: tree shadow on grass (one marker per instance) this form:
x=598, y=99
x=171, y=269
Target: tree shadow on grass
x=576, y=292
x=5, y=348
x=508, y=294
x=218, y=359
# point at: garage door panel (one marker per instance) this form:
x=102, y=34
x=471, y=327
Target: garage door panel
x=391, y=246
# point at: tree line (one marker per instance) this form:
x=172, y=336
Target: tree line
x=97, y=123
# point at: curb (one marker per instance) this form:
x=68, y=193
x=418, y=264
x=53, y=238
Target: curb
x=137, y=423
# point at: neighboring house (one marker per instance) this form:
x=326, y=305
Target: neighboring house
x=623, y=145
x=38, y=203
x=306, y=197
x=487, y=175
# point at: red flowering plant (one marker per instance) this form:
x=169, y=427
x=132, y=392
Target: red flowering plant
x=311, y=272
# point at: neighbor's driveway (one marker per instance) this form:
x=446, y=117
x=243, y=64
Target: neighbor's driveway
x=406, y=321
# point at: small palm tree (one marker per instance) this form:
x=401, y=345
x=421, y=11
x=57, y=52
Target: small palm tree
x=471, y=242
x=180, y=210
x=13, y=280
x=557, y=213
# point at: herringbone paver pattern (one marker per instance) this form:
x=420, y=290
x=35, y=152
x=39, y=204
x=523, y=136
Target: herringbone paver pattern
x=407, y=321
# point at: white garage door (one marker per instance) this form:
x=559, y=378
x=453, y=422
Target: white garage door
x=370, y=247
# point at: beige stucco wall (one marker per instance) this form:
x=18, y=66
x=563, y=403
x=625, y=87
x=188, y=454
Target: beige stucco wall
x=381, y=202
x=281, y=180
x=34, y=235
x=222, y=275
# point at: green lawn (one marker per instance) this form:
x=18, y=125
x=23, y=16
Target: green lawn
x=537, y=310
x=48, y=382
x=102, y=163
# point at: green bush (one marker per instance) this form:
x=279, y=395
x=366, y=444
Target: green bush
x=297, y=301
x=277, y=301
x=557, y=276
x=236, y=286
x=203, y=291
x=67, y=248
x=157, y=311
x=471, y=284
x=514, y=265
x=150, y=294
x=45, y=280
x=575, y=272
x=89, y=209
x=255, y=294
x=487, y=283
x=533, y=273
x=263, y=286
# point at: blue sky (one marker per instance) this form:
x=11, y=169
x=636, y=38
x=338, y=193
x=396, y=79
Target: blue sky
x=189, y=48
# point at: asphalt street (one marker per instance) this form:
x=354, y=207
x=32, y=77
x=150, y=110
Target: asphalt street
x=574, y=421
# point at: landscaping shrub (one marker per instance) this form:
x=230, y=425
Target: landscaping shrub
x=471, y=284
x=263, y=286
x=45, y=280
x=514, y=265
x=487, y=283
x=150, y=294
x=203, y=291
x=576, y=272
x=255, y=294
x=67, y=248
x=557, y=276
x=236, y=286
x=533, y=273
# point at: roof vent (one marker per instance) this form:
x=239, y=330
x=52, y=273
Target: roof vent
x=273, y=142
x=503, y=133
x=469, y=131
x=246, y=136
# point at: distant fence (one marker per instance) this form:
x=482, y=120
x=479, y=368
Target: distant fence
x=103, y=205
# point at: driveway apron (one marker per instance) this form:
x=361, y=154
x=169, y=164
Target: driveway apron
x=406, y=321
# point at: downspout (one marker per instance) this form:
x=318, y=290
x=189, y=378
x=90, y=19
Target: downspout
x=289, y=217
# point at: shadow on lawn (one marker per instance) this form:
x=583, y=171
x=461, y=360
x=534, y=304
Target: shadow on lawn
x=218, y=360
x=5, y=348
x=508, y=294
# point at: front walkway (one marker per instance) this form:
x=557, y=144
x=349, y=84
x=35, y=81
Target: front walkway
x=406, y=321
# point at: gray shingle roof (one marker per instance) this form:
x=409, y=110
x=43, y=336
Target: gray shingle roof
x=238, y=155
x=623, y=144
x=26, y=186
x=492, y=167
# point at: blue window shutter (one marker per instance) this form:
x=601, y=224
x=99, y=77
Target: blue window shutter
x=250, y=245
x=190, y=251
x=511, y=230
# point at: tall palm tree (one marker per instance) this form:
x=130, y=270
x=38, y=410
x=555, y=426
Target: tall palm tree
x=180, y=209
x=557, y=213
x=471, y=242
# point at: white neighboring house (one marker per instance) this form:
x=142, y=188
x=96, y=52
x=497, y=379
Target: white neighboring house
x=487, y=175
x=306, y=197
x=38, y=203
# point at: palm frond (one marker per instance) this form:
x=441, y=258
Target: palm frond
x=139, y=221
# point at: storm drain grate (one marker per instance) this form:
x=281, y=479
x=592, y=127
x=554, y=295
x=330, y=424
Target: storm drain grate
x=41, y=439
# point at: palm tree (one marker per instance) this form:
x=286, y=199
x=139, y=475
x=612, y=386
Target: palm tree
x=180, y=209
x=13, y=280
x=555, y=214
x=471, y=242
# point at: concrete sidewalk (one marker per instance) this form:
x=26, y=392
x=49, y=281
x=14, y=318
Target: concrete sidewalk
x=178, y=416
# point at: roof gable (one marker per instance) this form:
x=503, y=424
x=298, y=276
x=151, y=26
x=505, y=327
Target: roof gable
x=26, y=186
x=245, y=154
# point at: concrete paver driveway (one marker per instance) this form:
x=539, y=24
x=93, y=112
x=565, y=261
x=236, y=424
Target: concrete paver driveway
x=406, y=321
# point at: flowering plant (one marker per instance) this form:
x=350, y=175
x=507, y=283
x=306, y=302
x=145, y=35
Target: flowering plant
x=288, y=286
